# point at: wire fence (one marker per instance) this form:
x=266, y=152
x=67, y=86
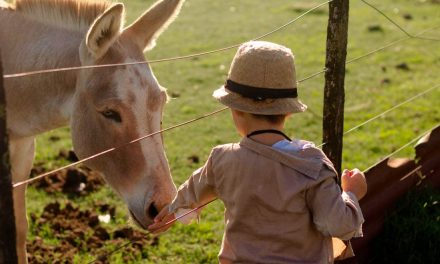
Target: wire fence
x=418, y=95
x=368, y=54
x=104, y=256
x=24, y=74
x=387, y=111
x=411, y=99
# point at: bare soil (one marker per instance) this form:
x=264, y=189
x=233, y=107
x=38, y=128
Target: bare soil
x=69, y=230
x=73, y=230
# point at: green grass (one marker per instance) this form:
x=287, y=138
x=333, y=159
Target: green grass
x=207, y=25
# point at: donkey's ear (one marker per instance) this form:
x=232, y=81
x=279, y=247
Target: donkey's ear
x=104, y=30
x=145, y=30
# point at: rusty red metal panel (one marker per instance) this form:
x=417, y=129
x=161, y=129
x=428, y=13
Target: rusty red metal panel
x=389, y=181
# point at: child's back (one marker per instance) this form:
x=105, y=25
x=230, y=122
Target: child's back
x=280, y=207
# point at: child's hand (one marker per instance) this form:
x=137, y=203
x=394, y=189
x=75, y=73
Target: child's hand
x=354, y=181
x=160, y=220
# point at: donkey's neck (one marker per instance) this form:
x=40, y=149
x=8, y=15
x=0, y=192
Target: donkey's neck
x=42, y=102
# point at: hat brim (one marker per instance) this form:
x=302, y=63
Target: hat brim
x=265, y=107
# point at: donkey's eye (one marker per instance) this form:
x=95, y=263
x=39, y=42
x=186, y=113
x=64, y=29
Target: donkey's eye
x=113, y=115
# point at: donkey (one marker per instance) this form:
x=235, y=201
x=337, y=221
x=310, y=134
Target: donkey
x=105, y=107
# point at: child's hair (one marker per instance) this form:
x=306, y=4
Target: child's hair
x=273, y=119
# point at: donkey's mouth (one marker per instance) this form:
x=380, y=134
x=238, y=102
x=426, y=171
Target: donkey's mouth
x=138, y=223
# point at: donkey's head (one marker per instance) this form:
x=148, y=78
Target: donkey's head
x=115, y=105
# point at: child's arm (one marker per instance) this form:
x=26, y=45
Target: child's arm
x=334, y=213
x=197, y=190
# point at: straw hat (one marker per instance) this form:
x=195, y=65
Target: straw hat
x=261, y=80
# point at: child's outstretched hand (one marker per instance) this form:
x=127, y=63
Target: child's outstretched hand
x=160, y=220
x=354, y=181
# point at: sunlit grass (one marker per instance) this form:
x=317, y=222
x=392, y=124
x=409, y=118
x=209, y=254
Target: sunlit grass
x=207, y=25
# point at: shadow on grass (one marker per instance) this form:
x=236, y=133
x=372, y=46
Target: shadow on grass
x=412, y=232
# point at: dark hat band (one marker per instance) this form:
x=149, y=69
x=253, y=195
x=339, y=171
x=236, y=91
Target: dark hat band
x=259, y=94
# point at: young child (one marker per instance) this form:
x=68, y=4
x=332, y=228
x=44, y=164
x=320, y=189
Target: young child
x=282, y=200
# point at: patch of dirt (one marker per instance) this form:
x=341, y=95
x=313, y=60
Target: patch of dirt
x=81, y=231
x=193, y=159
x=403, y=66
x=68, y=155
x=375, y=28
x=72, y=181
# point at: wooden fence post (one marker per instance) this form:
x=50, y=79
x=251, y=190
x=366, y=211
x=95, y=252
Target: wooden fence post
x=8, y=253
x=334, y=94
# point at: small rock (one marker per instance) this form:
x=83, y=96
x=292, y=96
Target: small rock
x=385, y=81
x=79, y=233
x=52, y=208
x=71, y=156
x=94, y=242
x=68, y=155
x=407, y=16
x=175, y=95
x=194, y=159
x=74, y=178
x=155, y=241
x=54, y=138
x=375, y=28
x=104, y=218
x=93, y=220
x=403, y=66
x=101, y=233
x=123, y=233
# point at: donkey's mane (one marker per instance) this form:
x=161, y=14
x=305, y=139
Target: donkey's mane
x=71, y=14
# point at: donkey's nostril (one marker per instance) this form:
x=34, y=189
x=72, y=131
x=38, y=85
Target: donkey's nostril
x=152, y=211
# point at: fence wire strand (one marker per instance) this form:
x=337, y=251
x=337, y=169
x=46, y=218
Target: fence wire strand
x=116, y=148
x=401, y=148
x=396, y=24
x=368, y=54
x=23, y=74
x=387, y=111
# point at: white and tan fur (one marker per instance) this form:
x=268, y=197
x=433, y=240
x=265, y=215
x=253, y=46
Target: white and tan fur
x=105, y=107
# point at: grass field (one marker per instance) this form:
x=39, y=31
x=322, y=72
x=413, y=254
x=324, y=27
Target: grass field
x=373, y=85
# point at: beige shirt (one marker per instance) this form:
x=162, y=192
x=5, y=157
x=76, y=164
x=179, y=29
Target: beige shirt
x=280, y=207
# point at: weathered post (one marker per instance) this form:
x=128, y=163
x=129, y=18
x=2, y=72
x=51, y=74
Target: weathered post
x=334, y=94
x=8, y=253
